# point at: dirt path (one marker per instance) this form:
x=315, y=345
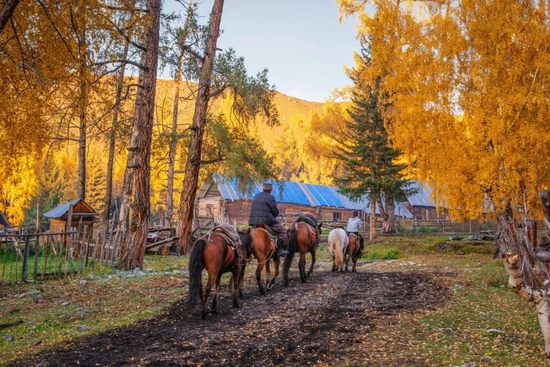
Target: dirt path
x=325, y=322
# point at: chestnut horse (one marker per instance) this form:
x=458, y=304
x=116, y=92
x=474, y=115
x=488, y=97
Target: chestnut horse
x=302, y=238
x=217, y=253
x=265, y=251
x=353, y=252
x=338, y=245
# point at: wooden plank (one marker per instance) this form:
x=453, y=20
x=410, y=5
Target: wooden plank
x=170, y=239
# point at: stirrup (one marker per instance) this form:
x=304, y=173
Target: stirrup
x=282, y=252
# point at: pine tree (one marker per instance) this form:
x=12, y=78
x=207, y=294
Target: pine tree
x=368, y=160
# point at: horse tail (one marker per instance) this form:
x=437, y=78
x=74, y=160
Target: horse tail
x=291, y=248
x=196, y=264
x=339, y=250
x=292, y=243
x=336, y=246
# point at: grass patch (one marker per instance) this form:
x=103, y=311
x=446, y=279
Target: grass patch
x=39, y=316
x=461, y=333
x=382, y=254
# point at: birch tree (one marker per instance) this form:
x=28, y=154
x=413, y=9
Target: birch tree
x=467, y=82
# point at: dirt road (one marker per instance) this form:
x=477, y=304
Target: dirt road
x=325, y=322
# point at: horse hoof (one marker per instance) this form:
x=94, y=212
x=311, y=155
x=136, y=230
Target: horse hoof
x=214, y=312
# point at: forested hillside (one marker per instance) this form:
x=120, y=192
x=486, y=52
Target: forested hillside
x=51, y=178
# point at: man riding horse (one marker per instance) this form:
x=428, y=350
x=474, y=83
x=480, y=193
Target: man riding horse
x=264, y=211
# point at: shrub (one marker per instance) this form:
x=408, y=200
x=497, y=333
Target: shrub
x=382, y=254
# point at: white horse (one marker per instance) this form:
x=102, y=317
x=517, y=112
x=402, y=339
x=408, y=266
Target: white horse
x=337, y=244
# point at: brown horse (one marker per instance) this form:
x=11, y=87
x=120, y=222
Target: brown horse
x=303, y=238
x=353, y=252
x=265, y=251
x=216, y=253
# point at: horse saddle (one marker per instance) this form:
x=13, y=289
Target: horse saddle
x=267, y=228
x=232, y=237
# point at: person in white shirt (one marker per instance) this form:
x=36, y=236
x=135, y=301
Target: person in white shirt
x=354, y=226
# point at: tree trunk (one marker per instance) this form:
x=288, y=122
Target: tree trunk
x=138, y=165
x=112, y=145
x=190, y=183
x=172, y=156
x=83, y=100
x=387, y=211
x=372, y=231
x=6, y=12
x=538, y=298
x=527, y=264
x=174, y=138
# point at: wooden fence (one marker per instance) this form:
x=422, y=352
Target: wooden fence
x=30, y=257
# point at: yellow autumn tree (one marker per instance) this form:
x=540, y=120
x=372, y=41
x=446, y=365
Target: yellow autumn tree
x=17, y=188
x=327, y=130
x=467, y=84
x=467, y=87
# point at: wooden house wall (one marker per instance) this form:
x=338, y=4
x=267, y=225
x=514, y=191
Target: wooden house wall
x=210, y=211
x=424, y=213
x=60, y=225
x=236, y=213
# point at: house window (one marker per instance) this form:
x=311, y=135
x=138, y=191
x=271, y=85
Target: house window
x=336, y=216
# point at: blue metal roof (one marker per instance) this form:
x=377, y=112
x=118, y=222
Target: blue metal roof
x=304, y=194
x=289, y=192
x=422, y=197
x=324, y=196
x=62, y=209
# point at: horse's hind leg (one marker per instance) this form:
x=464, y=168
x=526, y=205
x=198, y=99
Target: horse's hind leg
x=276, y=263
x=346, y=262
x=235, y=290
x=302, y=267
x=261, y=263
x=205, y=295
x=214, y=308
x=267, y=275
x=240, y=282
x=312, y=252
x=333, y=262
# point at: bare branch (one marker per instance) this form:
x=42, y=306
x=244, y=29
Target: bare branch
x=130, y=62
x=193, y=53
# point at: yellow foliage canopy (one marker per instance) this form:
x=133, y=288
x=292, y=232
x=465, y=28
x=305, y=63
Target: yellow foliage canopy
x=468, y=86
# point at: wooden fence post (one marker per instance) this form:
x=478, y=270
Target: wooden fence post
x=26, y=258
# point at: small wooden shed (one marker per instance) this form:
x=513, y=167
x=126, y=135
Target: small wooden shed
x=82, y=211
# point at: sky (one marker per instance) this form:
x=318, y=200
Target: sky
x=300, y=42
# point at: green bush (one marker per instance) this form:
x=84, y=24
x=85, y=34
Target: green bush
x=383, y=254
